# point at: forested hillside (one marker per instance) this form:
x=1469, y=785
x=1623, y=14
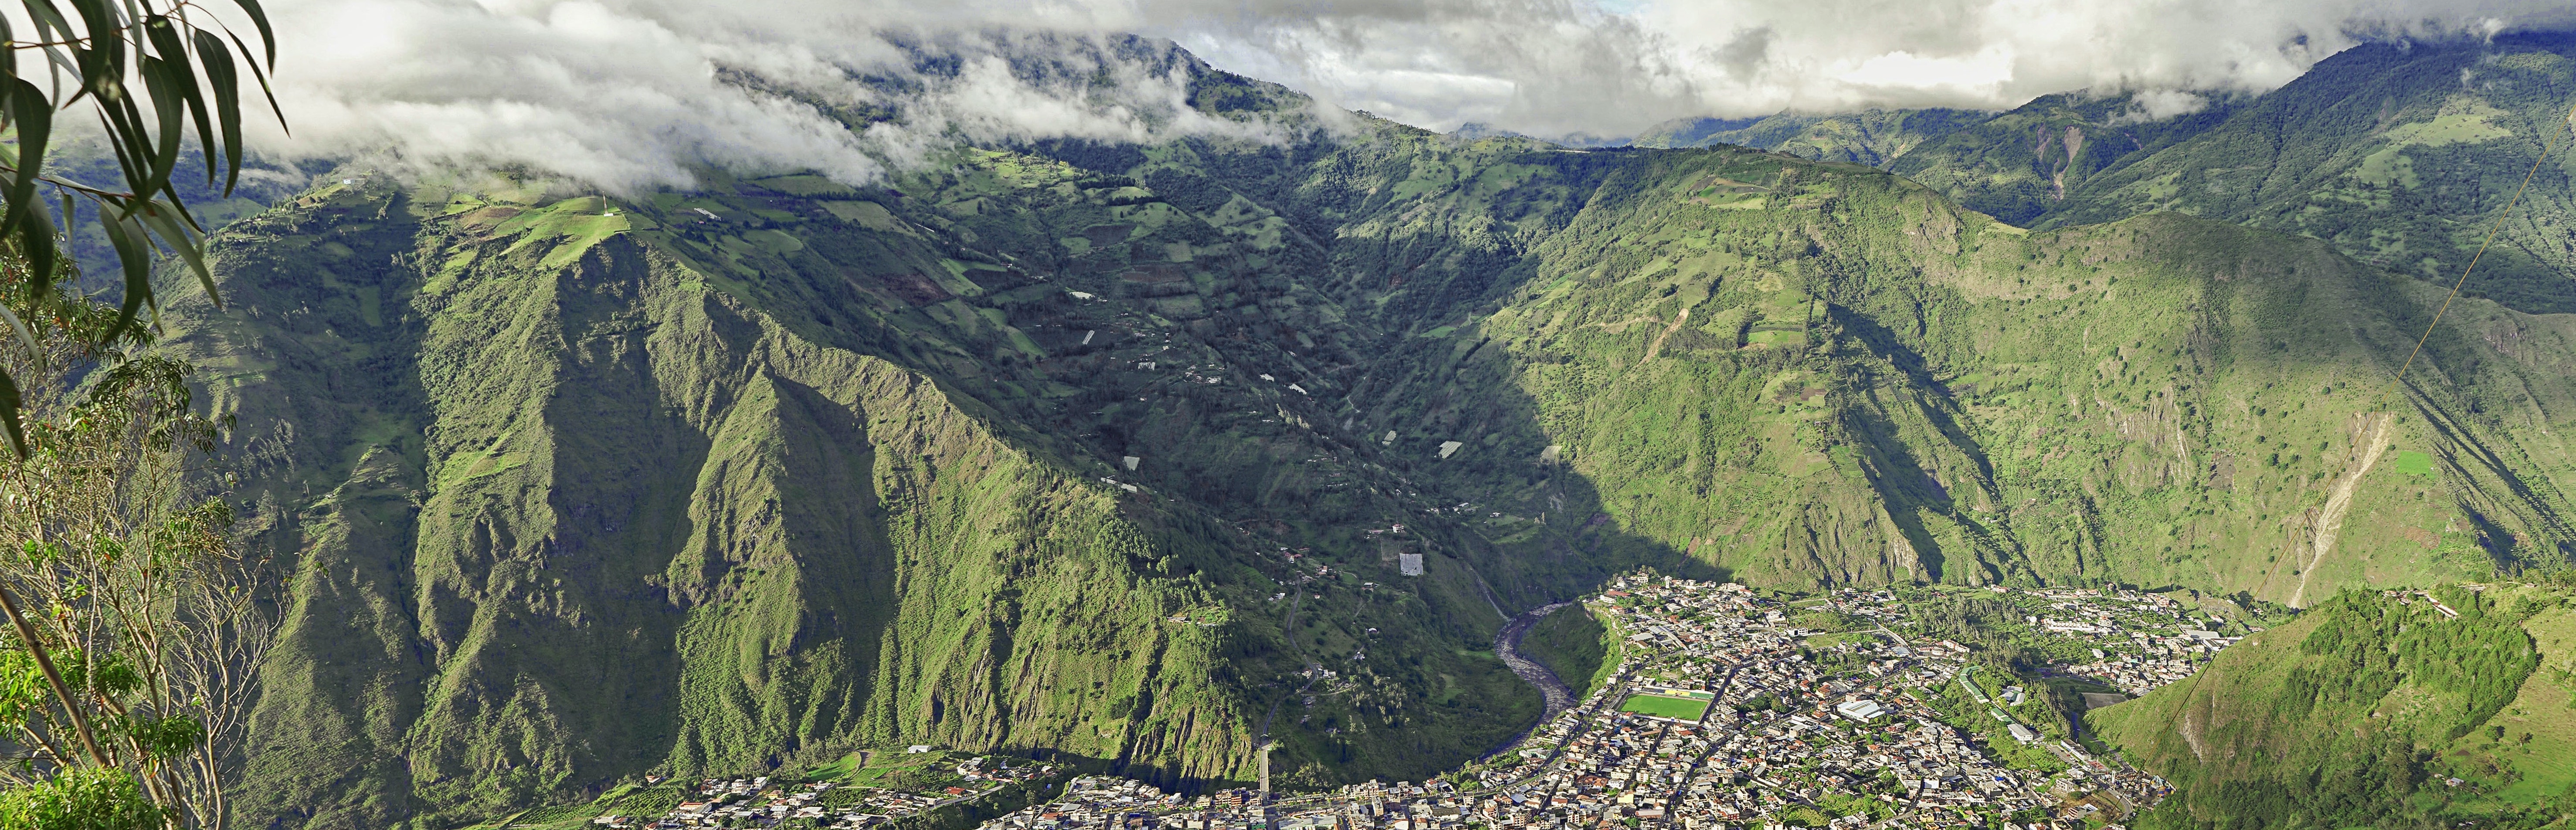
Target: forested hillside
x=2024, y=165
x=1814, y=374
x=1097, y=449
x=562, y=517
x=2439, y=708
x=1575, y=645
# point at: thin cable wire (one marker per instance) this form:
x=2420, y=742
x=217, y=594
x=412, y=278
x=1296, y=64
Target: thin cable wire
x=2546, y=148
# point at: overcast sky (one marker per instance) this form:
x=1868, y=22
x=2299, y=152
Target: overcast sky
x=1612, y=67
x=627, y=93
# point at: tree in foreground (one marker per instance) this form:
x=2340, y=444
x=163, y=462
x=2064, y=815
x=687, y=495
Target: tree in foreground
x=132, y=627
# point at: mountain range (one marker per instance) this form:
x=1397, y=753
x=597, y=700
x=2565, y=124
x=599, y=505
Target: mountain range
x=1091, y=450
x=2334, y=154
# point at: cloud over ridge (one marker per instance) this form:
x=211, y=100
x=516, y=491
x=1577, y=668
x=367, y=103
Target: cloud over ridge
x=634, y=94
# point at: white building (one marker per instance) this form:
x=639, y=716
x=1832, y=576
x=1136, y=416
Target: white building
x=1861, y=710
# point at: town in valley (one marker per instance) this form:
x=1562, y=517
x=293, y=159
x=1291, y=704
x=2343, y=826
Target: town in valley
x=1728, y=709
x=1718, y=706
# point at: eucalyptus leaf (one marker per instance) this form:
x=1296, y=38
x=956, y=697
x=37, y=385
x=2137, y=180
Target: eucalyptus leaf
x=191, y=77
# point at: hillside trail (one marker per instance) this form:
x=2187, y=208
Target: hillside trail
x=2375, y=439
x=1657, y=347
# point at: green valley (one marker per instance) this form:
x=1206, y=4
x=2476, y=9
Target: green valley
x=1138, y=458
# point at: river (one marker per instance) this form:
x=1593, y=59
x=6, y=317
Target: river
x=1507, y=645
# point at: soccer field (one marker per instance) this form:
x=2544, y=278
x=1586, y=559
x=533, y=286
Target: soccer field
x=1667, y=707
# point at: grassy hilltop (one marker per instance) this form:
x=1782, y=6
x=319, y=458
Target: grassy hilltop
x=580, y=488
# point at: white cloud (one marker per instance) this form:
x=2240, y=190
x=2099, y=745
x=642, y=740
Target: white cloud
x=577, y=88
x=2160, y=104
x=1976, y=77
x=1578, y=65
x=628, y=93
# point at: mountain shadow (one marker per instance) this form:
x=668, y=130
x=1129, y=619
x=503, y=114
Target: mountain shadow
x=1112, y=451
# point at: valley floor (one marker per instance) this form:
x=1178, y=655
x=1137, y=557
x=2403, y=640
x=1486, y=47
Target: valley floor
x=910, y=786
x=1731, y=709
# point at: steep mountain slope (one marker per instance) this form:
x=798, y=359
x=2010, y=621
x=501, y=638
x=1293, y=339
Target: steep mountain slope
x=2399, y=154
x=1874, y=137
x=579, y=489
x=2399, y=157
x=1815, y=373
x=2022, y=164
x=2372, y=711
x=561, y=515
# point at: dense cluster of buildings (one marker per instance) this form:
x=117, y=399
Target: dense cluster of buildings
x=1727, y=712
x=757, y=802
x=2138, y=641
x=1094, y=801
x=1831, y=727
x=720, y=802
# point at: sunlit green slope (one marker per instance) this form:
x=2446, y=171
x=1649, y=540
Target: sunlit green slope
x=2038, y=158
x=580, y=488
x=1816, y=373
x=2398, y=154
x=2373, y=710
x=559, y=514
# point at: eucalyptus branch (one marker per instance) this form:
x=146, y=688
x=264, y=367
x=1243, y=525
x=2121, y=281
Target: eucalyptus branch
x=36, y=647
x=190, y=79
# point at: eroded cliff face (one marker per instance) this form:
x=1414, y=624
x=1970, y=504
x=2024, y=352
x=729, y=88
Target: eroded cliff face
x=567, y=518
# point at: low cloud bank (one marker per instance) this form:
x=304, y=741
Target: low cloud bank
x=634, y=94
